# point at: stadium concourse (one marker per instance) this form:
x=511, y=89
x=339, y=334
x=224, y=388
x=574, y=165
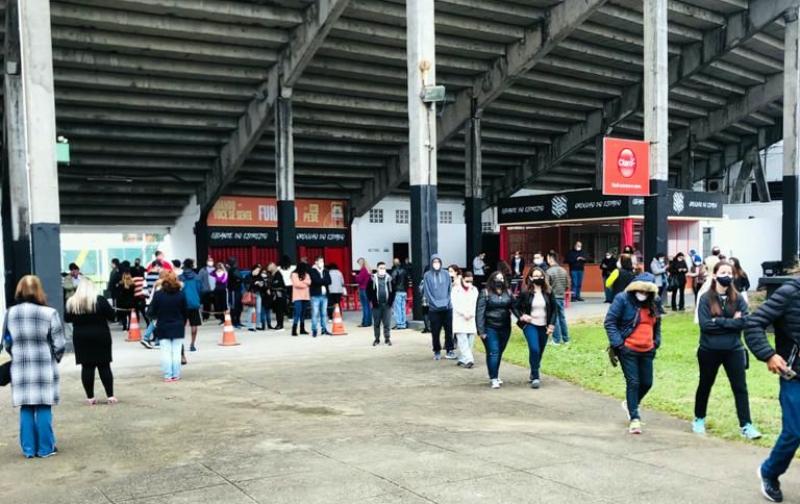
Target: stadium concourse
x=334, y=420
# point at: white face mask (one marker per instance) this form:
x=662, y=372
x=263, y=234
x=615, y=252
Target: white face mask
x=381, y=272
x=641, y=296
x=437, y=266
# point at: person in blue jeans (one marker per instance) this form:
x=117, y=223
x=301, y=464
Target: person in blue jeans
x=493, y=320
x=782, y=311
x=576, y=259
x=170, y=308
x=400, y=286
x=558, y=280
x=320, y=283
x=362, y=279
x=607, y=266
x=536, y=315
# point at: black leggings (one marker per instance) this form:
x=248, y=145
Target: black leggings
x=735, y=364
x=678, y=295
x=87, y=377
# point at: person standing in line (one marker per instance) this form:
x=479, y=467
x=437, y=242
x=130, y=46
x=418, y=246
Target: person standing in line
x=151, y=277
x=265, y=300
x=698, y=274
x=279, y=295
x=558, y=280
x=782, y=311
x=207, y=284
x=493, y=322
x=678, y=269
x=114, y=278
x=126, y=289
x=89, y=314
x=137, y=270
x=517, y=264
x=740, y=279
x=536, y=314
x=464, y=299
x=161, y=262
x=71, y=281
x=140, y=293
x=286, y=268
x=320, y=282
x=400, y=284
x=479, y=269
x=301, y=282
x=33, y=336
x=192, y=289
x=426, y=320
x=170, y=309
x=607, y=266
x=659, y=268
x=362, y=279
x=539, y=261
x=713, y=259
x=576, y=259
x=251, y=299
x=633, y=327
x=220, y=276
x=722, y=316
x=381, y=297
x=235, y=292
x=437, y=285
x=336, y=289
x=620, y=278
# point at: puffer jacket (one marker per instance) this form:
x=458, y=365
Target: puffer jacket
x=494, y=310
x=723, y=332
x=624, y=313
x=782, y=310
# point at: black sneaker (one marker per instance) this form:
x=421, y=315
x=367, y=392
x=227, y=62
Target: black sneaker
x=770, y=488
x=145, y=343
x=469, y=365
x=388, y=342
x=376, y=342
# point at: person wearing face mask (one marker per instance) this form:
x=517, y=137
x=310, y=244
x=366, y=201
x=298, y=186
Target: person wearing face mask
x=722, y=317
x=658, y=267
x=538, y=261
x=279, y=293
x=576, y=259
x=464, y=299
x=220, y=276
x=536, y=314
x=381, y=298
x=436, y=287
x=607, y=266
x=633, y=327
x=493, y=322
x=207, y=284
x=678, y=269
x=320, y=283
x=517, y=264
x=558, y=279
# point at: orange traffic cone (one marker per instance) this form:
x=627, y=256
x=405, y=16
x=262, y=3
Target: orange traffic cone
x=134, y=333
x=338, y=323
x=228, y=336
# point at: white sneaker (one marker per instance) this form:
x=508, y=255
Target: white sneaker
x=500, y=381
x=625, y=409
x=495, y=383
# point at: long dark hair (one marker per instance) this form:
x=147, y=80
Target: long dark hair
x=738, y=272
x=733, y=296
x=529, y=285
x=301, y=270
x=493, y=279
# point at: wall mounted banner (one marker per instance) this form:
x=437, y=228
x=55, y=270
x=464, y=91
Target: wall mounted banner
x=257, y=212
x=585, y=205
x=626, y=167
x=234, y=236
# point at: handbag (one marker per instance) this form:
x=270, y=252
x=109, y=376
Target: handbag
x=5, y=374
x=673, y=283
x=248, y=299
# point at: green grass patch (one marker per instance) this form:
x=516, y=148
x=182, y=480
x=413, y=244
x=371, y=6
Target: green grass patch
x=584, y=362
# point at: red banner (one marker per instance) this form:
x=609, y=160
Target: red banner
x=248, y=211
x=626, y=167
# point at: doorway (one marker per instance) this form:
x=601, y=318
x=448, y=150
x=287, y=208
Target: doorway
x=400, y=251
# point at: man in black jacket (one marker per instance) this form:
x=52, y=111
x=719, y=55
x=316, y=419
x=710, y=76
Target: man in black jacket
x=782, y=310
x=381, y=297
x=400, y=286
x=320, y=282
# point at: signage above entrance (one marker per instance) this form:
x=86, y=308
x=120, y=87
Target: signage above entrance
x=255, y=212
x=626, y=167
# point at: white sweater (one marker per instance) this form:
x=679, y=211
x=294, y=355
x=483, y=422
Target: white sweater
x=464, y=304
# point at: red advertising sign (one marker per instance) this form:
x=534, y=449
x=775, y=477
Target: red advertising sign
x=248, y=211
x=626, y=167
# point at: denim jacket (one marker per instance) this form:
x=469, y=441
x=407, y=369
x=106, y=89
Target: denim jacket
x=623, y=317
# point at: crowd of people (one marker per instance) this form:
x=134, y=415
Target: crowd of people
x=465, y=305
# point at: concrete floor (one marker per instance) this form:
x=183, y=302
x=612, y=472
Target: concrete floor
x=334, y=420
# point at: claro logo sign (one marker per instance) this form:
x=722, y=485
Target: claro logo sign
x=626, y=167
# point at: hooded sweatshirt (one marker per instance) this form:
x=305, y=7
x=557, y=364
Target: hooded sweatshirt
x=436, y=285
x=191, y=288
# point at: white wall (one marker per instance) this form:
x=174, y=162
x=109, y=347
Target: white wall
x=374, y=241
x=180, y=241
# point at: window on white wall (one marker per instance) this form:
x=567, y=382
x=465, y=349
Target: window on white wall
x=446, y=217
x=376, y=216
x=487, y=227
x=401, y=216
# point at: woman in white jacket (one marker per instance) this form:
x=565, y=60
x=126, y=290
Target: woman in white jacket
x=464, y=298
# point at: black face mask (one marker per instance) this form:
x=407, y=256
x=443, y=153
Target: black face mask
x=499, y=285
x=538, y=281
x=724, y=281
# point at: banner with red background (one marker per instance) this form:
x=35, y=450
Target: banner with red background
x=249, y=211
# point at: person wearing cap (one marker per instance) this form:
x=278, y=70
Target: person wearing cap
x=633, y=327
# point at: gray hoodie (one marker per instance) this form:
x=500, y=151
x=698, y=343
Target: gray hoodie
x=436, y=287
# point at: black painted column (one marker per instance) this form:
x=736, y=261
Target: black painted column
x=656, y=226
x=201, y=240
x=790, y=238
x=424, y=233
x=473, y=195
x=284, y=173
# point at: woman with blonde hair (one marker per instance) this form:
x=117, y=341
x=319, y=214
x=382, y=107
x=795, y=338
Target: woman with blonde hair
x=126, y=290
x=34, y=337
x=89, y=315
x=170, y=309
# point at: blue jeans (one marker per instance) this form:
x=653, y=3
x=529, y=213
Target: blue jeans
x=608, y=291
x=171, y=357
x=560, y=333
x=319, y=314
x=537, y=341
x=577, y=282
x=638, y=370
x=495, y=343
x=366, y=311
x=151, y=328
x=264, y=316
x=785, y=447
x=36, y=434
x=299, y=308
x=399, y=309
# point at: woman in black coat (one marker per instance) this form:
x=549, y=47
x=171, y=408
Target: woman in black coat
x=90, y=315
x=678, y=268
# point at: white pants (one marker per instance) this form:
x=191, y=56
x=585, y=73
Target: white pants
x=465, y=342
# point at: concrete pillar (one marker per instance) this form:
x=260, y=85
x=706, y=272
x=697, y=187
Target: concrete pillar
x=30, y=142
x=421, y=51
x=473, y=195
x=656, y=128
x=284, y=175
x=791, y=141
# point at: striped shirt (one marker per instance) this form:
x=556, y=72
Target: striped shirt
x=558, y=279
x=138, y=289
